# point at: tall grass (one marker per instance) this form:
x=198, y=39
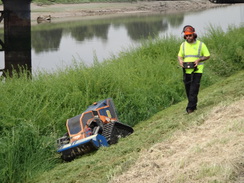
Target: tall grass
x=227, y=53
x=142, y=81
x=110, y=162
x=24, y=152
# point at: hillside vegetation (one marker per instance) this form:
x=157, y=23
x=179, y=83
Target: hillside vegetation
x=142, y=82
x=206, y=146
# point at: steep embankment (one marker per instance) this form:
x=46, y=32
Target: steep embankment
x=210, y=152
x=173, y=147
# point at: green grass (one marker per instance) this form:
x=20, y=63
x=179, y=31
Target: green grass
x=142, y=81
x=108, y=162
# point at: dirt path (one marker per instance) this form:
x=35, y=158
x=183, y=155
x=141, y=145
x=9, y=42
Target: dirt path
x=206, y=153
x=61, y=11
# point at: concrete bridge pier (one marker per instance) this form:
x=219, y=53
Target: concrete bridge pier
x=17, y=35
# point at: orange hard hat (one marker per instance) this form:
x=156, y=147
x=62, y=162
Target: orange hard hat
x=188, y=30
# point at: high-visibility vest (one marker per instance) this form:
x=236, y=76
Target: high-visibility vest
x=194, y=51
x=198, y=51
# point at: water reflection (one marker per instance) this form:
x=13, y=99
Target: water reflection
x=80, y=33
x=46, y=40
x=138, y=30
x=84, y=38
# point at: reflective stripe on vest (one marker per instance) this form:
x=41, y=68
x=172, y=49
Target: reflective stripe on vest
x=199, y=51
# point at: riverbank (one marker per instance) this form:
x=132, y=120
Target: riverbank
x=59, y=12
x=42, y=106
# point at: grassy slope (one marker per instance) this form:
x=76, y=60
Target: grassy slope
x=32, y=113
x=102, y=165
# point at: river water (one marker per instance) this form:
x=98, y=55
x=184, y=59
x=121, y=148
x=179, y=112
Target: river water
x=57, y=45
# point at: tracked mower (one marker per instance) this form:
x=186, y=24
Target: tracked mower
x=96, y=127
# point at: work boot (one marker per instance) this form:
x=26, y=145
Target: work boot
x=189, y=111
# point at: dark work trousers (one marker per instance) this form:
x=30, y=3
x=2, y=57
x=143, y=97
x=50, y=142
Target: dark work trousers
x=192, y=85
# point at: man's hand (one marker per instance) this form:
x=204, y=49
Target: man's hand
x=200, y=59
x=180, y=60
x=196, y=62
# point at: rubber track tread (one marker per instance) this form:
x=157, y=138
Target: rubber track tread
x=107, y=131
x=115, y=130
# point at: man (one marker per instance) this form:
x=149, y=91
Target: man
x=191, y=58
